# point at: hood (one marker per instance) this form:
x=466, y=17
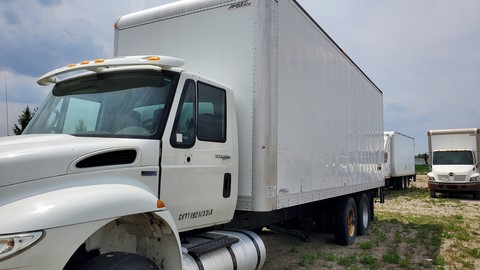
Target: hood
x=456, y=169
x=30, y=157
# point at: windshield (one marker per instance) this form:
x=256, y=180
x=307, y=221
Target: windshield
x=452, y=158
x=130, y=104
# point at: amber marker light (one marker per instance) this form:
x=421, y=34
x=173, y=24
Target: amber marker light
x=98, y=61
x=84, y=63
x=71, y=65
x=160, y=204
x=153, y=58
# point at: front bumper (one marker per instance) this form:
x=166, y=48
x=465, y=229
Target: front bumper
x=453, y=186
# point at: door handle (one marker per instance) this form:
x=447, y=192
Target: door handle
x=227, y=185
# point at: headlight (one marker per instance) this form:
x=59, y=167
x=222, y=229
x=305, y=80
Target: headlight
x=475, y=178
x=15, y=243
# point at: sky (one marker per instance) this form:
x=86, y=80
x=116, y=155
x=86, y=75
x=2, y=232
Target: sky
x=423, y=54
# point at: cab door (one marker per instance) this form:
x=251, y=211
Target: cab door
x=199, y=159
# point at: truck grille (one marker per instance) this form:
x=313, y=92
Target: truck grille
x=443, y=177
x=446, y=178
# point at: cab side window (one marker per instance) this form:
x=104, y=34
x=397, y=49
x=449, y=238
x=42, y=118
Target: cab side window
x=201, y=114
x=183, y=135
x=211, y=113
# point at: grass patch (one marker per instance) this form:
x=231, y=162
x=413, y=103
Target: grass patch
x=391, y=258
x=347, y=261
x=329, y=257
x=369, y=260
x=421, y=169
x=432, y=222
x=308, y=258
x=366, y=245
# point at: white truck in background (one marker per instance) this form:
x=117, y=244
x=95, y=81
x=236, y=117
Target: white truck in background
x=145, y=161
x=454, y=158
x=399, y=160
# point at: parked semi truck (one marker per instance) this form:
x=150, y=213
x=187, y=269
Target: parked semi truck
x=399, y=160
x=454, y=158
x=213, y=120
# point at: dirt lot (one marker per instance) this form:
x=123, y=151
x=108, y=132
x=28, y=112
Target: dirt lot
x=410, y=231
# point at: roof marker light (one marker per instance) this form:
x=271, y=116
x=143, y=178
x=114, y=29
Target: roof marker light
x=153, y=58
x=98, y=65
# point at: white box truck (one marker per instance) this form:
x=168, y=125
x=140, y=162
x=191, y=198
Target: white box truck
x=453, y=160
x=144, y=161
x=399, y=160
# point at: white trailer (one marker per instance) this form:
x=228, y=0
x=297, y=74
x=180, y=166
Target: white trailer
x=157, y=161
x=454, y=158
x=399, y=159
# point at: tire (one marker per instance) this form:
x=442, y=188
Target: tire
x=398, y=183
x=433, y=194
x=363, y=207
x=476, y=195
x=372, y=205
x=345, y=221
x=120, y=261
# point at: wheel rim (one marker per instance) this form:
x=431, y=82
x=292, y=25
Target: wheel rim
x=365, y=217
x=351, y=223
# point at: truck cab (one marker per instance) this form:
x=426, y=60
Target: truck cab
x=455, y=166
x=128, y=141
x=454, y=162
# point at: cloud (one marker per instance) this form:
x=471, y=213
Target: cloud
x=21, y=91
x=40, y=35
x=423, y=55
x=50, y=2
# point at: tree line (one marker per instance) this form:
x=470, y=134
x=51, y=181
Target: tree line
x=23, y=120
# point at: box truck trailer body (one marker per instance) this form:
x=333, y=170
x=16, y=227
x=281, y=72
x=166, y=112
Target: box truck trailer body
x=399, y=159
x=453, y=160
x=255, y=118
x=309, y=119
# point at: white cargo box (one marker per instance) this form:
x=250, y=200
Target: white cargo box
x=399, y=155
x=310, y=121
x=454, y=139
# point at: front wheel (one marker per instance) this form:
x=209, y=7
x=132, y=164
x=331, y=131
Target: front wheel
x=345, y=221
x=433, y=194
x=120, y=261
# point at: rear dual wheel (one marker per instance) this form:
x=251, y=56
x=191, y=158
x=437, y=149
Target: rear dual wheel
x=351, y=218
x=345, y=221
x=364, y=214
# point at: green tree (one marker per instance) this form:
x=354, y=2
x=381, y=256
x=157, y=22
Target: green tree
x=80, y=126
x=23, y=120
